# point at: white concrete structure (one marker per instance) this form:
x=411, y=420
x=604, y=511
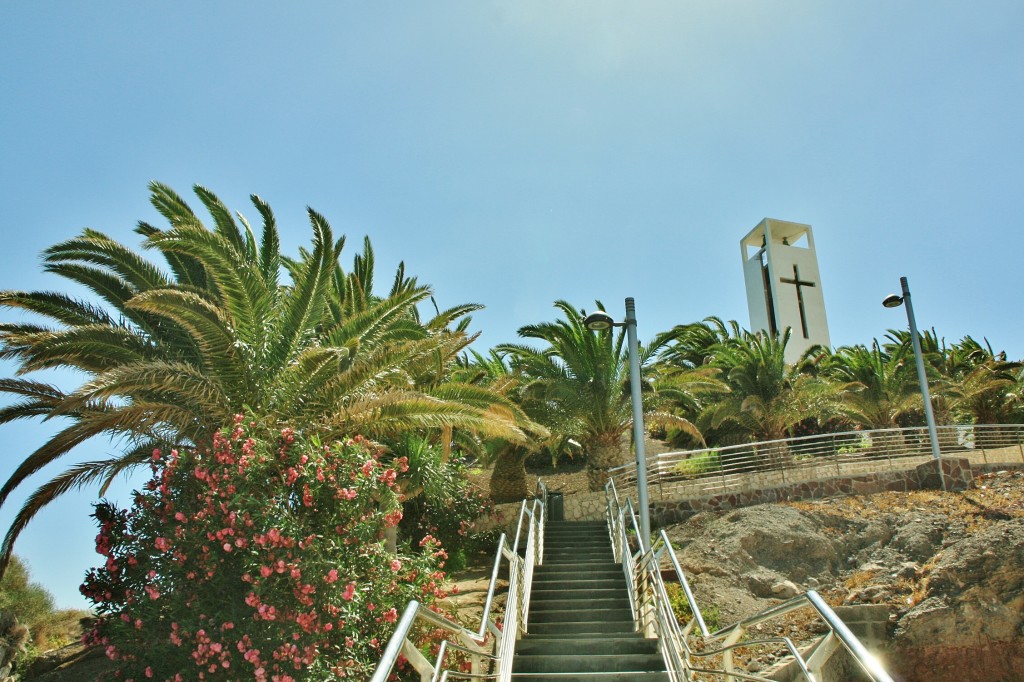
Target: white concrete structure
x=780, y=267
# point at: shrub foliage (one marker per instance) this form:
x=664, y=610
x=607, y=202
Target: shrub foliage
x=261, y=558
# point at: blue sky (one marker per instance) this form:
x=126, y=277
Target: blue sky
x=514, y=153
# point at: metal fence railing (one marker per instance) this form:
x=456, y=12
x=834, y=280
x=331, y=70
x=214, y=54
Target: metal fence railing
x=710, y=471
x=491, y=647
x=693, y=653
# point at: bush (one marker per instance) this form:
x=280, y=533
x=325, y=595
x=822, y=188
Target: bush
x=699, y=465
x=259, y=559
x=681, y=608
x=31, y=605
x=447, y=513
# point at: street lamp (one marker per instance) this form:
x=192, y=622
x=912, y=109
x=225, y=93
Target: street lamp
x=599, y=321
x=894, y=301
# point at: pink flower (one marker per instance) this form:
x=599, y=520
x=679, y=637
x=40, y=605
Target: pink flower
x=396, y=565
x=332, y=576
x=350, y=591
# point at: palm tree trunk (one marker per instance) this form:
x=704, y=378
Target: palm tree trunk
x=605, y=455
x=508, y=480
x=446, y=443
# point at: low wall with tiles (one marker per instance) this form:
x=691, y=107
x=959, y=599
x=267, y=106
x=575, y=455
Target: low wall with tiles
x=924, y=476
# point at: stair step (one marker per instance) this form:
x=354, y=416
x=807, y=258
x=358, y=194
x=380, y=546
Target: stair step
x=582, y=615
x=598, y=663
x=577, y=538
x=578, y=606
x=573, y=535
x=537, y=645
x=598, y=628
x=556, y=572
x=606, y=563
x=544, y=592
x=552, y=545
x=550, y=584
x=593, y=677
x=588, y=561
x=578, y=572
x=573, y=581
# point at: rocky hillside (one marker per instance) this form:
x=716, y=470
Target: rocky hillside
x=949, y=567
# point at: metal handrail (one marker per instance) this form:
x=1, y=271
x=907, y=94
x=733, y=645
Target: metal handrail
x=654, y=617
x=792, y=460
x=516, y=612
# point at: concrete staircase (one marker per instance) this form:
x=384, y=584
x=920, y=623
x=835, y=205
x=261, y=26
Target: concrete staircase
x=581, y=628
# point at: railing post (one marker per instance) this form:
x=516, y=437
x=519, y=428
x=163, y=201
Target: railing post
x=661, y=481
x=721, y=468
x=782, y=456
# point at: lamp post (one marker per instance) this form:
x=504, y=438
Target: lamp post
x=596, y=322
x=894, y=301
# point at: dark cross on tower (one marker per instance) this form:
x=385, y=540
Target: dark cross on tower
x=768, y=300
x=799, y=295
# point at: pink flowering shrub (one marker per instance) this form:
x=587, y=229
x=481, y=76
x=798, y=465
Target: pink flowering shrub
x=259, y=559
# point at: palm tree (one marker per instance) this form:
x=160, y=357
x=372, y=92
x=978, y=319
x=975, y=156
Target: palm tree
x=696, y=344
x=879, y=387
x=981, y=383
x=168, y=358
x=547, y=423
x=585, y=374
x=982, y=387
x=767, y=397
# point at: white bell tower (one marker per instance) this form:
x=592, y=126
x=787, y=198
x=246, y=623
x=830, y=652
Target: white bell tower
x=780, y=267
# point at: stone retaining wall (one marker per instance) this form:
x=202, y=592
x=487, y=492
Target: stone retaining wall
x=578, y=507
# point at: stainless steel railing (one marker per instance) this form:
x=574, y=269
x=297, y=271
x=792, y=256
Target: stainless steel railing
x=690, y=649
x=489, y=648
x=710, y=471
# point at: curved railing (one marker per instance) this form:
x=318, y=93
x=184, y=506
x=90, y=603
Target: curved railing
x=489, y=658
x=711, y=471
x=689, y=649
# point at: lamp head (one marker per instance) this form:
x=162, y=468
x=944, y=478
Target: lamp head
x=599, y=320
x=892, y=301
